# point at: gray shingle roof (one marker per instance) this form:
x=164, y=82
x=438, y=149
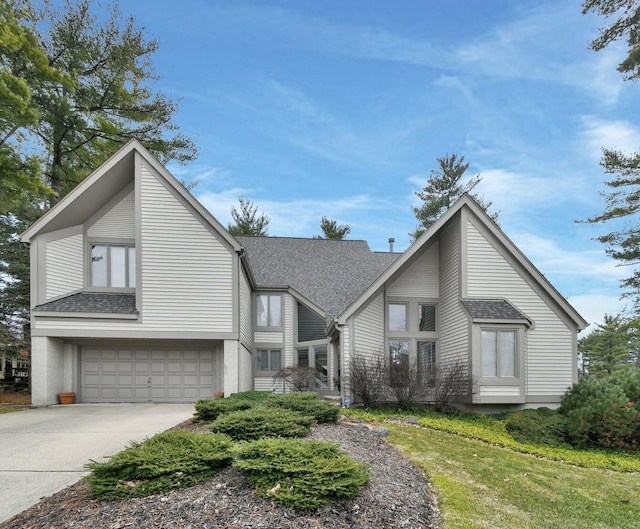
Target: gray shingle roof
x=93, y=302
x=331, y=273
x=492, y=309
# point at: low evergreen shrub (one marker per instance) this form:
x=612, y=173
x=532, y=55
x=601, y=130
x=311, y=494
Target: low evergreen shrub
x=159, y=464
x=307, y=404
x=605, y=411
x=252, y=396
x=541, y=426
x=210, y=410
x=301, y=474
x=261, y=421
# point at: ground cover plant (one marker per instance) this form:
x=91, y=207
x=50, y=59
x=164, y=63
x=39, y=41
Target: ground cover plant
x=210, y=410
x=166, y=461
x=307, y=403
x=484, y=478
x=301, y=474
x=262, y=421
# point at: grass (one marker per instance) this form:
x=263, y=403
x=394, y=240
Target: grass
x=483, y=480
x=17, y=401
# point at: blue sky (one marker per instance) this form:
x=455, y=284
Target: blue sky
x=341, y=107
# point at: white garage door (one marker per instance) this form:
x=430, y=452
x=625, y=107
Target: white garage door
x=145, y=375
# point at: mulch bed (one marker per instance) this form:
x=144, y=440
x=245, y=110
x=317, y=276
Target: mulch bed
x=397, y=496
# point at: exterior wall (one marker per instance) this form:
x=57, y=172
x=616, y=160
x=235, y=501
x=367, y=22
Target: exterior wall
x=51, y=370
x=454, y=341
x=187, y=273
x=118, y=221
x=368, y=328
x=64, y=263
x=550, y=343
x=246, y=336
x=420, y=279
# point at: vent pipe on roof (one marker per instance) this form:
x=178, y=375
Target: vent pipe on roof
x=391, y=241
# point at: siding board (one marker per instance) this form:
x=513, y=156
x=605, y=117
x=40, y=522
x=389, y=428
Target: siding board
x=421, y=278
x=64, y=266
x=368, y=328
x=118, y=222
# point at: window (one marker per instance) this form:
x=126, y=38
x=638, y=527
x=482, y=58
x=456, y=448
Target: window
x=113, y=266
x=499, y=353
x=427, y=362
x=397, y=317
x=269, y=360
x=268, y=310
x=426, y=317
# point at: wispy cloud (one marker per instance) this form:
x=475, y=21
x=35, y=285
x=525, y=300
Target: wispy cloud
x=611, y=134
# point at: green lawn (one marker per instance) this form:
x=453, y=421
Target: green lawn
x=482, y=485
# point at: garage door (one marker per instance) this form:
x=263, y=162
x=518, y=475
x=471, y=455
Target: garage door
x=149, y=375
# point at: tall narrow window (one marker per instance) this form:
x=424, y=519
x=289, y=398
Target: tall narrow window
x=268, y=310
x=397, y=317
x=426, y=317
x=113, y=266
x=427, y=362
x=498, y=353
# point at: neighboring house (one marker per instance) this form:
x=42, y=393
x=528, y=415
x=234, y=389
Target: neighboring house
x=139, y=294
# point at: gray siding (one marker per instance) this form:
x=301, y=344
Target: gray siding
x=549, y=361
x=421, y=278
x=64, y=265
x=117, y=222
x=245, y=312
x=453, y=344
x=368, y=328
x=187, y=273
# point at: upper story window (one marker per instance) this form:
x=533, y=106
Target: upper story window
x=113, y=266
x=397, y=317
x=499, y=350
x=411, y=316
x=269, y=310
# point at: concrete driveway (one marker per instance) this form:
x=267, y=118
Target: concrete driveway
x=44, y=450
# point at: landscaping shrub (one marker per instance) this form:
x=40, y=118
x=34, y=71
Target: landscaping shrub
x=164, y=462
x=539, y=426
x=307, y=404
x=210, y=410
x=252, y=396
x=258, y=422
x=604, y=411
x=301, y=474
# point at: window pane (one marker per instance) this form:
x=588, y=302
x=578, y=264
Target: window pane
x=263, y=360
x=427, y=362
x=507, y=348
x=489, y=354
x=132, y=267
x=275, y=360
x=397, y=317
x=118, y=267
x=427, y=318
x=261, y=311
x=398, y=351
x=303, y=358
x=275, y=313
x=98, y=266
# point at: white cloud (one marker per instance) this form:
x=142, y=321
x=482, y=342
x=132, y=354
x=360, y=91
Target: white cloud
x=593, y=307
x=611, y=134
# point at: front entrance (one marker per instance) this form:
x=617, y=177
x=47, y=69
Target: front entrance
x=317, y=358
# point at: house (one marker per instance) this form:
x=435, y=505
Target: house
x=139, y=294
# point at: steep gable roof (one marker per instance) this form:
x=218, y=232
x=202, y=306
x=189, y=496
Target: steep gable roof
x=467, y=203
x=331, y=273
x=104, y=183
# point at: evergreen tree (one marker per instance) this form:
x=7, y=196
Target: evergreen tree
x=332, y=230
x=607, y=348
x=443, y=188
x=247, y=221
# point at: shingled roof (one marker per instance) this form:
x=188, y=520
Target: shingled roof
x=331, y=273
x=492, y=309
x=97, y=302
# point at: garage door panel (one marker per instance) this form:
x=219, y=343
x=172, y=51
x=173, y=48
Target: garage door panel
x=140, y=375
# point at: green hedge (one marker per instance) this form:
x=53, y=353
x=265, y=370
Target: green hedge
x=258, y=422
x=210, y=410
x=301, y=474
x=307, y=404
x=162, y=463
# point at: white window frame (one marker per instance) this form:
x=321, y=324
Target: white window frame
x=268, y=311
x=517, y=353
x=130, y=268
